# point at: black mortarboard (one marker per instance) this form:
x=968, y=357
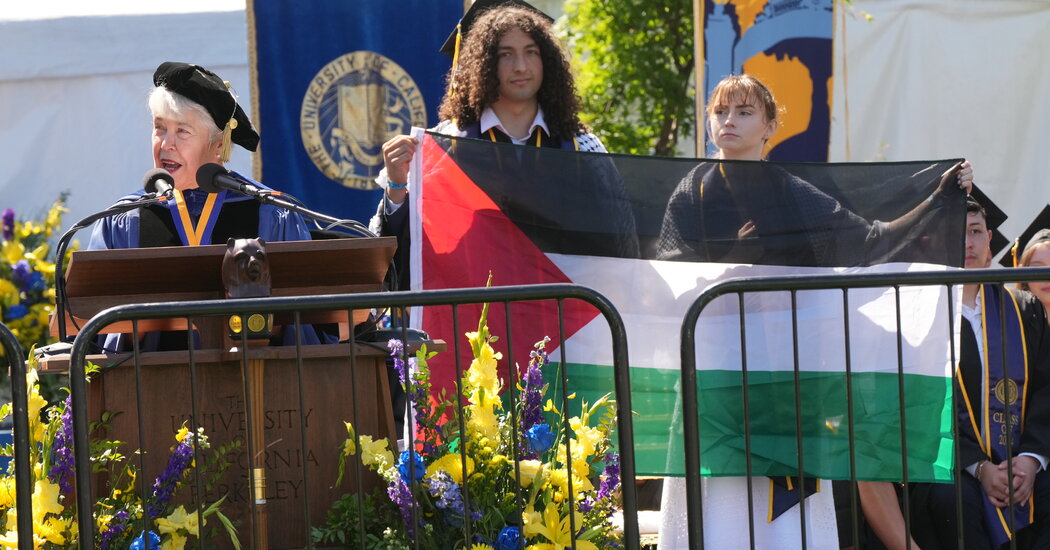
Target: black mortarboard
x=206, y=88
x=473, y=12
x=1037, y=231
x=993, y=218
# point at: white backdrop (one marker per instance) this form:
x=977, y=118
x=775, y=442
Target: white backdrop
x=73, y=88
x=952, y=78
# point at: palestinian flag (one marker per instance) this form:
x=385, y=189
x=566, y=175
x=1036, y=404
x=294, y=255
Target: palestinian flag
x=651, y=234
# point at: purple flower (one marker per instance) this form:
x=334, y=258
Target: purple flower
x=611, y=477
x=532, y=406
x=168, y=480
x=148, y=540
x=8, y=224
x=62, y=470
x=539, y=438
x=400, y=495
x=20, y=273
x=396, y=347
x=509, y=539
x=417, y=471
x=447, y=492
x=117, y=525
x=15, y=312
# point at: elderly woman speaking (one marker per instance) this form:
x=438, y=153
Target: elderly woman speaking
x=195, y=119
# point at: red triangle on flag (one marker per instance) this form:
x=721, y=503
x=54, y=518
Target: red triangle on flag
x=466, y=237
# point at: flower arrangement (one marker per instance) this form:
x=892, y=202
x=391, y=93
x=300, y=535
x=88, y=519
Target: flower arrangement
x=123, y=518
x=499, y=476
x=27, y=273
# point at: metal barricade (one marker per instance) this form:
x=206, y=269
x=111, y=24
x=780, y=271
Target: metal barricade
x=793, y=285
x=86, y=491
x=16, y=365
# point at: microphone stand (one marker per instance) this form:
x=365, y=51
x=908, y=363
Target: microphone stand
x=276, y=200
x=63, y=244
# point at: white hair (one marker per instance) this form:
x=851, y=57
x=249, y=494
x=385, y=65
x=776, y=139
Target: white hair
x=167, y=104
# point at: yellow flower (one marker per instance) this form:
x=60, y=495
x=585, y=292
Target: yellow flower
x=558, y=531
x=178, y=525
x=51, y=530
x=586, y=437
x=8, y=293
x=45, y=500
x=483, y=421
x=529, y=469
x=375, y=452
x=7, y=492
x=39, y=253
x=54, y=215
x=12, y=251
x=531, y=520
x=182, y=433
x=559, y=479
x=482, y=372
x=452, y=464
x=481, y=547
x=176, y=542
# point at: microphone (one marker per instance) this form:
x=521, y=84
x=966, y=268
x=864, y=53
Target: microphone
x=159, y=182
x=213, y=178
x=162, y=183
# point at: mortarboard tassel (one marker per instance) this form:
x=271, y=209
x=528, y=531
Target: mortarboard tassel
x=455, y=62
x=227, y=136
x=1013, y=249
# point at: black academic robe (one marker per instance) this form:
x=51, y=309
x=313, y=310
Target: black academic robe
x=795, y=223
x=1035, y=435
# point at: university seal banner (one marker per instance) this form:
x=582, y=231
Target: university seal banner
x=651, y=234
x=332, y=81
x=787, y=44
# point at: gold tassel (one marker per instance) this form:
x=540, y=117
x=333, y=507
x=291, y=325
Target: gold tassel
x=455, y=63
x=227, y=132
x=227, y=138
x=1013, y=250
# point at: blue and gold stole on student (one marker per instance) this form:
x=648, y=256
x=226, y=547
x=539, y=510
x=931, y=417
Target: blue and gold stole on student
x=195, y=234
x=1003, y=396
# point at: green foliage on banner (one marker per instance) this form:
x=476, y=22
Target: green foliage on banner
x=634, y=67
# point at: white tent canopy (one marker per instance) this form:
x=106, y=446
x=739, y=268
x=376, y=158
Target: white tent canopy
x=74, y=78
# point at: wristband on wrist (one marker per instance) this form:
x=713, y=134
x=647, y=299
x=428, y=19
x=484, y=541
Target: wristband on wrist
x=383, y=181
x=980, y=466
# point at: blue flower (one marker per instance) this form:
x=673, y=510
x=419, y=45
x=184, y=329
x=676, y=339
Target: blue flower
x=418, y=470
x=540, y=438
x=141, y=544
x=15, y=312
x=509, y=539
x=36, y=281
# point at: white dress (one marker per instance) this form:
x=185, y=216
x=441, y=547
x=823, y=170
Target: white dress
x=725, y=517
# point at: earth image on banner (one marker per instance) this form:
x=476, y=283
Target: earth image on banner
x=351, y=107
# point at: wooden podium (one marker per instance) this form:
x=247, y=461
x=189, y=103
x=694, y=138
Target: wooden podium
x=156, y=393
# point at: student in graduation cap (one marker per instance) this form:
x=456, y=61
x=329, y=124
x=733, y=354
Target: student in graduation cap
x=1032, y=249
x=1003, y=421
x=195, y=119
x=510, y=82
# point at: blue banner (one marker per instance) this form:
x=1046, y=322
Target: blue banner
x=787, y=44
x=333, y=80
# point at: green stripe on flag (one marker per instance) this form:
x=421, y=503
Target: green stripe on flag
x=659, y=444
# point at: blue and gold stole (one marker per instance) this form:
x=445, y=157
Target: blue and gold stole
x=1004, y=396
x=200, y=233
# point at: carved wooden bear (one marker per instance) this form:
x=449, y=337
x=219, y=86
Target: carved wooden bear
x=245, y=269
